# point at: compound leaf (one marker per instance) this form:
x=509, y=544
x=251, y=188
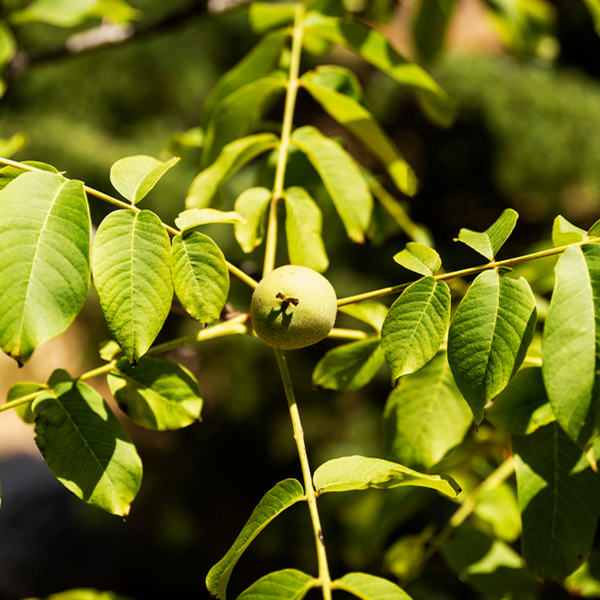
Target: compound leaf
x=342, y=178
x=489, y=336
x=361, y=473
x=272, y=504
x=252, y=204
x=369, y=587
x=415, y=326
x=44, y=259
x=156, y=394
x=288, y=584
x=565, y=233
x=419, y=258
x=200, y=275
x=86, y=448
x=130, y=264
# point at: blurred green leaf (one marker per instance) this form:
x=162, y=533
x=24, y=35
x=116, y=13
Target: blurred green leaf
x=369, y=311
x=405, y=558
x=264, y=16
x=419, y=258
x=252, y=204
x=429, y=27
x=369, y=587
x=20, y=390
x=13, y=144
x=499, y=507
x=8, y=44
x=193, y=217
x=565, y=233
x=288, y=584
x=83, y=594
x=335, y=78
x=585, y=582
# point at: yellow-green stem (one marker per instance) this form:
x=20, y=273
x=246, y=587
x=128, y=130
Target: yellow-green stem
x=324, y=577
x=347, y=334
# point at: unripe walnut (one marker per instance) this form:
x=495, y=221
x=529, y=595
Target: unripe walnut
x=293, y=307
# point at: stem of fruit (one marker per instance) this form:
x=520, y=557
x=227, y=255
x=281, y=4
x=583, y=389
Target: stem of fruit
x=284, y=144
x=324, y=577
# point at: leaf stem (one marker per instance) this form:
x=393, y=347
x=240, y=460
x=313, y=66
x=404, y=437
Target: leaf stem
x=284, y=144
x=324, y=577
x=348, y=334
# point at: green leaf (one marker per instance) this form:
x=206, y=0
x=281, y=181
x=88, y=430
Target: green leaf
x=593, y=7
x=8, y=44
x=489, y=336
x=571, y=339
x=425, y=416
x=134, y=176
x=361, y=473
x=109, y=349
x=156, y=394
x=594, y=230
x=523, y=406
x=273, y=503
x=585, y=582
x=261, y=60
x=499, y=507
x=61, y=13
x=348, y=367
x=429, y=27
x=370, y=311
x=376, y=49
x=130, y=263
x=200, y=276
x=239, y=114
x=303, y=223
x=11, y=145
x=492, y=239
x=44, y=259
x=232, y=158
x=342, y=178
x=288, y=584
x=415, y=326
x=20, y=390
x=369, y=587
x=362, y=125
x=336, y=78
x=194, y=217
x=86, y=448
x=252, y=204
x=419, y=258
x=264, y=16
x=84, y=594
x=7, y=174
x=565, y=233
x=559, y=496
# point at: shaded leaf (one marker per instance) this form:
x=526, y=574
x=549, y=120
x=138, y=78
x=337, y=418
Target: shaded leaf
x=489, y=336
x=336, y=78
x=342, y=178
x=288, y=584
x=594, y=230
x=194, y=217
x=565, y=233
x=252, y=204
x=425, y=416
x=200, y=275
x=130, y=263
x=264, y=16
x=273, y=503
x=86, y=448
x=585, y=582
x=370, y=311
x=348, y=367
x=8, y=44
x=134, y=176
x=429, y=27
x=20, y=390
x=44, y=259
x=419, y=258
x=361, y=473
x=369, y=587
x=499, y=507
x=156, y=394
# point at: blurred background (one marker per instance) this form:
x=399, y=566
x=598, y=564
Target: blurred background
x=527, y=136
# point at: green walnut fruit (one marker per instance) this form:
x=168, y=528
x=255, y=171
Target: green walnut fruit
x=293, y=307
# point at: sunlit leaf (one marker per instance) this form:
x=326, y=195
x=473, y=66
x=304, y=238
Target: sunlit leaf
x=44, y=259
x=86, y=448
x=559, y=496
x=61, y=13
x=369, y=587
x=565, y=233
x=8, y=45
x=585, y=582
x=109, y=349
x=252, y=204
x=84, y=594
x=273, y=503
x=11, y=145
x=499, y=508
x=194, y=217
x=156, y=394
x=7, y=174
x=489, y=336
x=134, y=176
x=288, y=584
x=20, y=390
x=336, y=78
x=130, y=263
x=370, y=311
x=425, y=416
x=419, y=258
x=361, y=473
x=200, y=275
x=264, y=16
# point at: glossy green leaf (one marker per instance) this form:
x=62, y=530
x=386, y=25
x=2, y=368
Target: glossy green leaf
x=425, y=416
x=559, y=496
x=288, y=584
x=130, y=264
x=336, y=78
x=523, y=406
x=193, y=217
x=20, y=390
x=419, y=259
x=571, y=340
x=44, y=259
x=415, y=326
x=273, y=503
x=303, y=224
x=134, y=176
x=376, y=49
x=261, y=60
x=252, y=204
x=8, y=44
x=489, y=336
x=369, y=587
x=362, y=125
x=86, y=448
x=361, y=473
x=342, y=178
x=565, y=233
x=264, y=16
x=348, y=367
x=200, y=276
x=429, y=27
x=492, y=239
x=239, y=114
x=232, y=158
x=156, y=394
x=369, y=311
